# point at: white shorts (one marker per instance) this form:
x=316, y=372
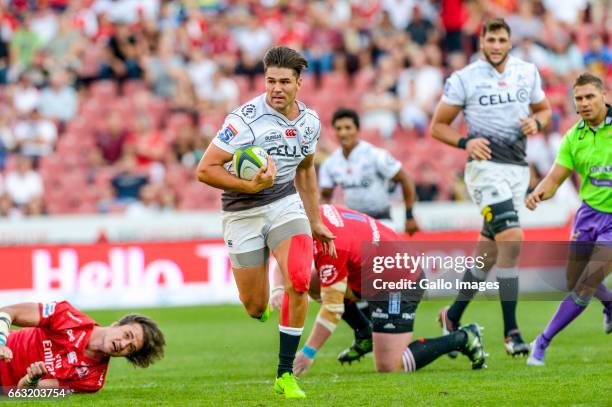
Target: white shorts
x=249, y=234
x=490, y=183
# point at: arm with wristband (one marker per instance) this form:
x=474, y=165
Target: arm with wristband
x=330, y=313
x=409, y=192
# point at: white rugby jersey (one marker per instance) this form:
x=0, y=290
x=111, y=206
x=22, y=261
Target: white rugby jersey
x=255, y=123
x=363, y=176
x=494, y=104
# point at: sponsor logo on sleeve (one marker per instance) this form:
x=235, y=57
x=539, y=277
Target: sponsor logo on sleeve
x=227, y=133
x=48, y=309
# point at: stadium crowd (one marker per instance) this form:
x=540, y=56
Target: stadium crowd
x=107, y=106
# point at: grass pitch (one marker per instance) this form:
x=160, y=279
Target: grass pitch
x=218, y=356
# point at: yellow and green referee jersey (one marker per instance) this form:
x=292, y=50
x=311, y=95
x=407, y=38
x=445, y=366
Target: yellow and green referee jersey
x=589, y=152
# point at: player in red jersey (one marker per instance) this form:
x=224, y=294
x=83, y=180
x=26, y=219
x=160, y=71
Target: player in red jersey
x=392, y=318
x=61, y=347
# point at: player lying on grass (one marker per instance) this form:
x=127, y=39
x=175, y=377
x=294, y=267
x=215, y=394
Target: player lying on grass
x=60, y=347
x=392, y=320
x=587, y=148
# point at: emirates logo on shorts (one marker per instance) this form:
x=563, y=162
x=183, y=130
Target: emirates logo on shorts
x=290, y=132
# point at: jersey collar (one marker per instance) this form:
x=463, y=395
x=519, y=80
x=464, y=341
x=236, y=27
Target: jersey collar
x=492, y=69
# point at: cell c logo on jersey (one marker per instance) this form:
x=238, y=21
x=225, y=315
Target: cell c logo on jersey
x=328, y=273
x=522, y=95
x=290, y=132
x=249, y=111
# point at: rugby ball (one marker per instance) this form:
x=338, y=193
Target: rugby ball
x=248, y=160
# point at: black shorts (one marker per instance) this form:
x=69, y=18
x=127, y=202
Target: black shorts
x=395, y=315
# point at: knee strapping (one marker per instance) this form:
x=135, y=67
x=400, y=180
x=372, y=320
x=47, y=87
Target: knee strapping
x=299, y=262
x=501, y=216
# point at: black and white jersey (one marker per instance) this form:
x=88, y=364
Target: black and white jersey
x=494, y=104
x=363, y=177
x=255, y=123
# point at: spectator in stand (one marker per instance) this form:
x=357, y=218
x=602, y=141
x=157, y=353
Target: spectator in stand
x=35, y=135
x=111, y=138
x=44, y=24
x=200, y=70
x=380, y=110
x=528, y=50
x=35, y=207
x=145, y=143
x=59, y=101
x=420, y=29
x=7, y=209
x=598, y=58
x=7, y=139
x=567, y=12
x=25, y=95
x=23, y=184
x=164, y=70
x=124, y=54
x=221, y=94
x=148, y=204
x=66, y=46
x=524, y=24
x=24, y=44
x=419, y=87
x=564, y=57
x=187, y=148
x=128, y=182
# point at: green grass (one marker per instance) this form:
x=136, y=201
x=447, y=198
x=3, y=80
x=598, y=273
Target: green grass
x=218, y=356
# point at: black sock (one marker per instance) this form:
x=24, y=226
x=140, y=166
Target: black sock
x=357, y=320
x=508, y=294
x=425, y=351
x=288, y=347
x=463, y=298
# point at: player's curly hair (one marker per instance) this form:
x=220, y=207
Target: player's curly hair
x=153, y=341
x=285, y=57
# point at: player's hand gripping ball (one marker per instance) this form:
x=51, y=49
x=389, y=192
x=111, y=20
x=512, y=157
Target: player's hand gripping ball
x=248, y=160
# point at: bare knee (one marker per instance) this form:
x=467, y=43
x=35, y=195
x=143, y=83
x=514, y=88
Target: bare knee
x=255, y=309
x=387, y=366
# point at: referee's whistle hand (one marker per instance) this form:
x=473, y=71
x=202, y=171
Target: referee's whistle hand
x=478, y=148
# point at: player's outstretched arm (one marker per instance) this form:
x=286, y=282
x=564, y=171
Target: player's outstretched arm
x=548, y=186
x=23, y=315
x=211, y=171
x=306, y=184
x=409, y=192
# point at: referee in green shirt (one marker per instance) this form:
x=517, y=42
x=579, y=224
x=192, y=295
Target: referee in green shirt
x=586, y=148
